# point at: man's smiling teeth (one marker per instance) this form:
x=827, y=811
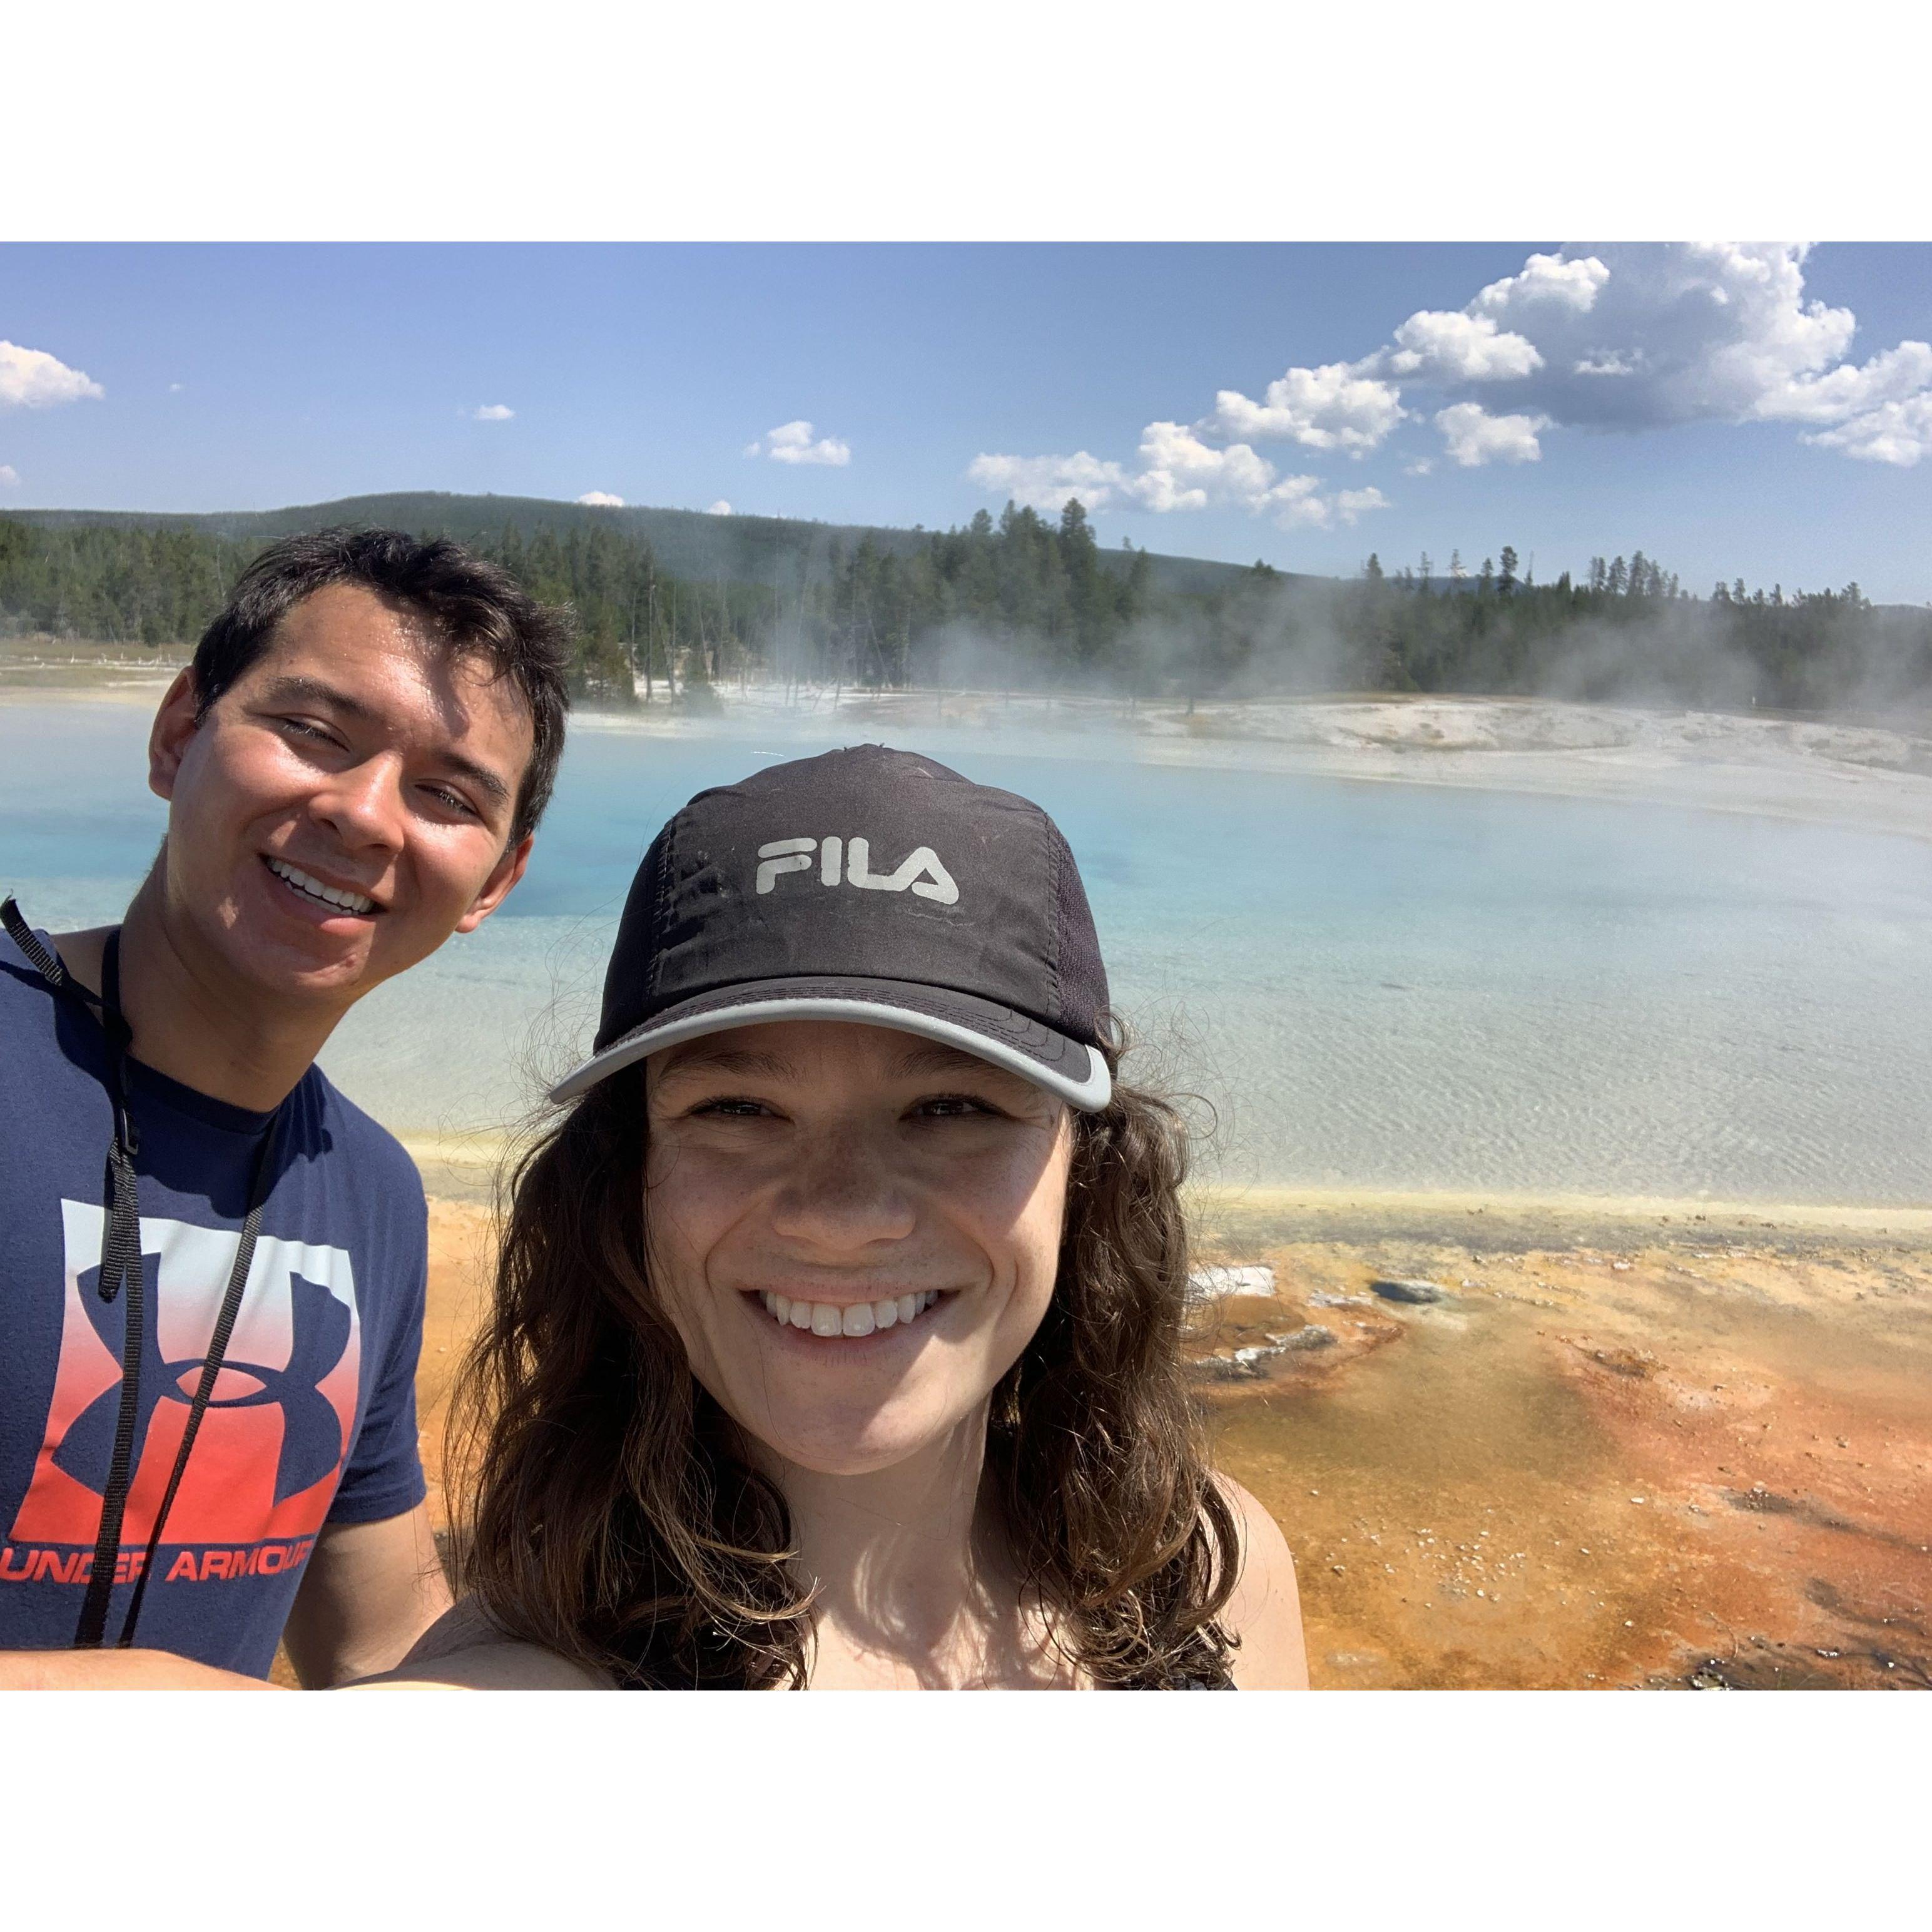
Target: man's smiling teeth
x=861, y=1318
x=315, y=889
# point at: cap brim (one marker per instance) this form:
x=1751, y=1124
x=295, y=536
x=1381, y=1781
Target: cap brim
x=1069, y=1068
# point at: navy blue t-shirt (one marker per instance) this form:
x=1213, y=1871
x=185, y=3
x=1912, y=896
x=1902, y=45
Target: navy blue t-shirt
x=313, y=1417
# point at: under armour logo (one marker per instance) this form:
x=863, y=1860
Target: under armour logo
x=311, y=1443
x=849, y=862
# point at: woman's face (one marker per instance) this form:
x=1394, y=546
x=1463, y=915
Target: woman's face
x=855, y=1231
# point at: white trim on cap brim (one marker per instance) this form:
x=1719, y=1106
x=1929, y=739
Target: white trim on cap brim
x=1089, y=1095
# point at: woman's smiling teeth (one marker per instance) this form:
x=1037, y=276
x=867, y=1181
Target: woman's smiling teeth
x=858, y=1318
x=329, y=895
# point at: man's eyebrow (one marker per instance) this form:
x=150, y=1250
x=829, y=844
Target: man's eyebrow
x=293, y=688
x=481, y=776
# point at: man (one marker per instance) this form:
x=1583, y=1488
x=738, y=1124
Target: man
x=207, y=1423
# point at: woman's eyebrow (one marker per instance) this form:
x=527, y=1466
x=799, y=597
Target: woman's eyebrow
x=727, y=1059
x=933, y=1058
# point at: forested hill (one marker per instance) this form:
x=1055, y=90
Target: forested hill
x=677, y=602
x=782, y=553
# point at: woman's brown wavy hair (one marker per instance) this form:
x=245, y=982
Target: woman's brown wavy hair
x=615, y=1518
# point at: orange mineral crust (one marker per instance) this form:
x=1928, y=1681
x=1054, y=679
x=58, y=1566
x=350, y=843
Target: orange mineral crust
x=1622, y=1448
x=1642, y=1454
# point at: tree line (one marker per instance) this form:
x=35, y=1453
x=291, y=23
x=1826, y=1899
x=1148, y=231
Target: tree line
x=641, y=632
x=1630, y=629
x=1025, y=600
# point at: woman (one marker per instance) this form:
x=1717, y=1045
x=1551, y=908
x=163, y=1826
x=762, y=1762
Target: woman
x=837, y=1337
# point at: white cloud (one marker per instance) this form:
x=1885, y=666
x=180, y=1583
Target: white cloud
x=1350, y=504
x=1443, y=345
x=1421, y=467
x=1471, y=436
x=720, y=509
x=1571, y=284
x=1047, y=482
x=1298, y=501
x=793, y=442
x=1178, y=471
x=176, y=388
x=601, y=500
x=1850, y=389
x=1646, y=337
x=31, y=379
x=1687, y=332
x=1898, y=433
x=489, y=412
x=1636, y=337
x=1331, y=407
x=9, y=476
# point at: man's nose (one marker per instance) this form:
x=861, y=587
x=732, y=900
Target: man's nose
x=363, y=805
x=844, y=1192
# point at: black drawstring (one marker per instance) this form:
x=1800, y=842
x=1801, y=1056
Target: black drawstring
x=121, y=1262
x=211, y=1367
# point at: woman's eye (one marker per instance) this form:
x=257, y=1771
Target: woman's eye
x=951, y=1107
x=731, y=1108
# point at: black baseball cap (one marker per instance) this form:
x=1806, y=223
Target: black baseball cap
x=866, y=885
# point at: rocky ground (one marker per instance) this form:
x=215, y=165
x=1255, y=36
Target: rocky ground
x=1619, y=1449
x=1643, y=1453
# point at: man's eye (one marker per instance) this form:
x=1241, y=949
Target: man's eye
x=731, y=1108
x=301, y=727
x=453, y=800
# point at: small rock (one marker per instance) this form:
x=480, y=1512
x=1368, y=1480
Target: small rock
x=1309, y=1335
x=1211, y=1283
x=1412, y=1292
x=1221, y=1368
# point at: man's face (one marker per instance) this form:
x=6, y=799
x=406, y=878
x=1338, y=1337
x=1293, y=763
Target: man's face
x=347, y=803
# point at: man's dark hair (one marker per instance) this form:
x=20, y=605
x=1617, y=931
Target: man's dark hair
x=470, y=605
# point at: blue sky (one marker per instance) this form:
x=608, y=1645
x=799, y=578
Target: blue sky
x=1764, y=412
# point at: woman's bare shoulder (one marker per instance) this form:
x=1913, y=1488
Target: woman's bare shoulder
x=1265, y=1610
x=462, y=1650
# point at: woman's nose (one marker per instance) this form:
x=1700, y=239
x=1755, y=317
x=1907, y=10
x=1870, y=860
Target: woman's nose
x=844, y=1192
